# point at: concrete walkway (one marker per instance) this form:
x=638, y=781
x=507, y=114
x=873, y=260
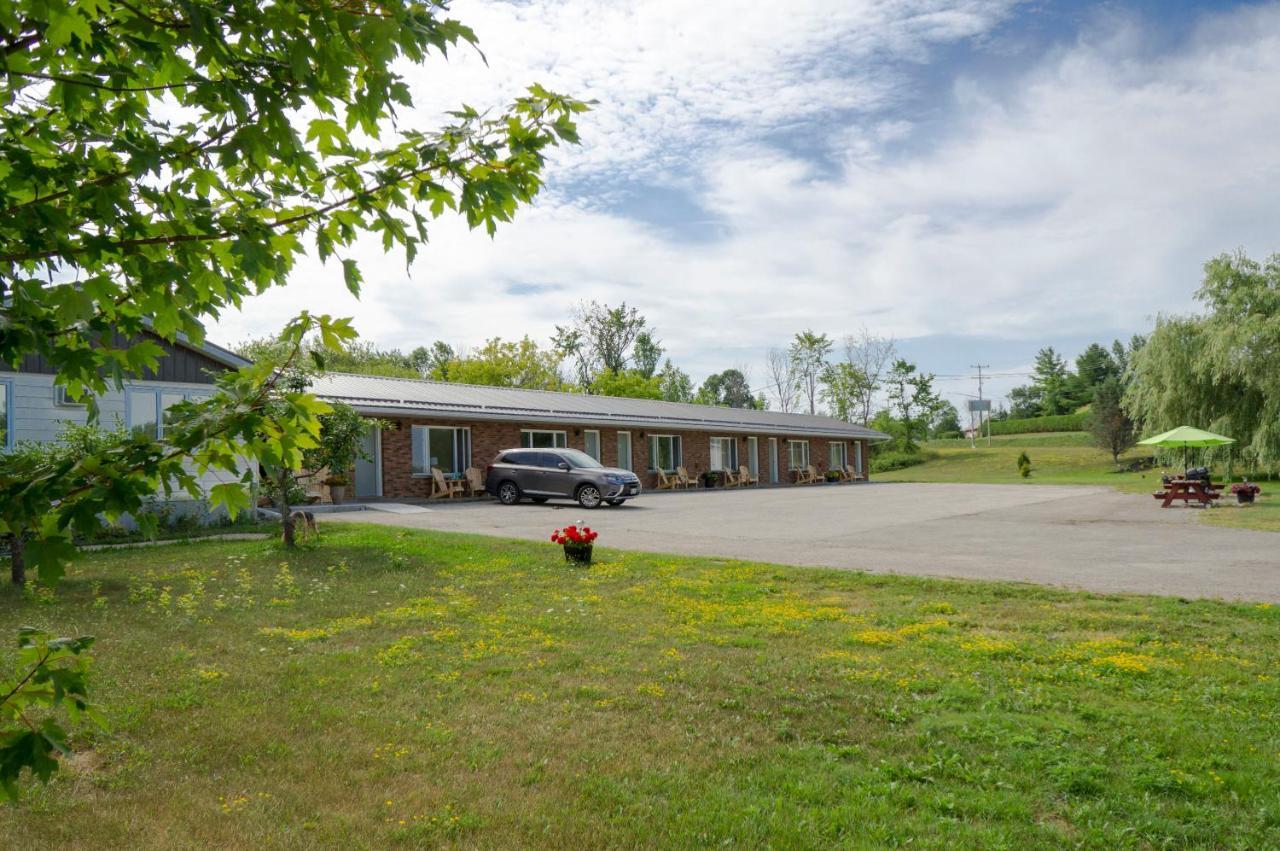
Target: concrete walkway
x=1077, y=537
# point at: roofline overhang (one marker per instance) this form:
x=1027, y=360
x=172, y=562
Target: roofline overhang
x=562, y=418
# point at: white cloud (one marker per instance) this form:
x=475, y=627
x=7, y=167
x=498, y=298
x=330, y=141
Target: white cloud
x=1078, y=197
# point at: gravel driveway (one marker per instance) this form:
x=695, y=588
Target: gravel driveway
x=1078, y=537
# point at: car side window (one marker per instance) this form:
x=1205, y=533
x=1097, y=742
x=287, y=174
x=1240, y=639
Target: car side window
x=550, y=460
x=516, y=458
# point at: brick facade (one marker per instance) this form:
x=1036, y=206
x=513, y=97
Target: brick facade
x=489, y=438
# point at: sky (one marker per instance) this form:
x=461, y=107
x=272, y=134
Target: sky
x=974, y=179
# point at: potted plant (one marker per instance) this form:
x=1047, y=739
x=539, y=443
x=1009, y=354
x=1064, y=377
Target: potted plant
x=712, y=479
x=337, y=488
x=576, y=542
x=1245, y=492
x=831, y=476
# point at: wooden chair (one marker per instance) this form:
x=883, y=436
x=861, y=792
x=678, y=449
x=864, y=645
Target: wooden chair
x=683, y=479
x=665, y=482
x=851, y=474
x=745, y=478
x=475, y=481
x=448, y=488
x=731, y=479
x=807, y=476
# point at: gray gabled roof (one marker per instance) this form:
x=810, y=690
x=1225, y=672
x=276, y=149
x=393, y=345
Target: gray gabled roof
x=383, y=396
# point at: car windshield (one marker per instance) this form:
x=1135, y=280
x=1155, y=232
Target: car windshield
x=580, y=459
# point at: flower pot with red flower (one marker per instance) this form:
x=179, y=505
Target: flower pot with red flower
x=1245, y=492
x=576, y=541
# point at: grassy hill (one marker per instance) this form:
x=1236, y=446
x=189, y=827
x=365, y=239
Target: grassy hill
x=1061, y=458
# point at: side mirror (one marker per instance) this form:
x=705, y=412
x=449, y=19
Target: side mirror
x=564, y=465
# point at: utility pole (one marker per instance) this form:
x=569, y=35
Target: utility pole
x=980, y=367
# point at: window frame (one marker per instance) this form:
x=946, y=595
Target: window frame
x=599, y=455
x=791, y=463
x=426, y=428
x=716, y=444
x=7, y=410
x=62, y=400
x=158, y=394
x=677, y=452
x=562, y=436
x=844, y=454
x=753, y=455
x=630, y=457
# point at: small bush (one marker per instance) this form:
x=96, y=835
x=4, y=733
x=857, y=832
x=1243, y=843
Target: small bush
x=1078, y=421
x=1024, y=465
x=886, y=461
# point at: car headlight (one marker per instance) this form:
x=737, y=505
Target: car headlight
x=614, y=480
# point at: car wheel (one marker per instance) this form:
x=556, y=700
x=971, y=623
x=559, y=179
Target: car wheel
x=615, y=501
x=589, y=496
x=538, y=499
x=508, y=493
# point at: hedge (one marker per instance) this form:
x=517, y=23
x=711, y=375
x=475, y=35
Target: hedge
x=1063, y=422
x=883, y=462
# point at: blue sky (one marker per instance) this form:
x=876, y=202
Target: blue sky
x=976, y=179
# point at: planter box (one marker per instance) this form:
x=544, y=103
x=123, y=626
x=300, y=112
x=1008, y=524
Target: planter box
x=577, y=553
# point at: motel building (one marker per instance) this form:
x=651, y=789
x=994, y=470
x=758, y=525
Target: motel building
x=456, y=426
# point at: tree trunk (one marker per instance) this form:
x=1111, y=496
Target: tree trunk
x=283, y=480
x=18, y=559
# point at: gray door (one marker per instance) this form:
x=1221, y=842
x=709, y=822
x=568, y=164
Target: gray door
x=773, y=460
x=556, y=481
x=369, y=468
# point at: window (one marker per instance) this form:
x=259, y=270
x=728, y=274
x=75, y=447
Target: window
x=537, y=439
x=591, y=440
x=624, y=450
x=665, y=452
x=446, y=448
x=147, y=407
x=837, y=455
x=724, y=453
x=62, y=400
x=753, y=456
x=6, y=416
x=797, y=454
x=857, y=455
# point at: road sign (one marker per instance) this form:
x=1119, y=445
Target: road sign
x=979, y=406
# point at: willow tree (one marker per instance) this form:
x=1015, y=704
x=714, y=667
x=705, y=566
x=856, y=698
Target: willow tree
x=164, y=160
x=1219, y=370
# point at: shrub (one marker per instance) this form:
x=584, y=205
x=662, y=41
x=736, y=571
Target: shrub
x=1078, y=421
x=1024, y=465
x=886, y=461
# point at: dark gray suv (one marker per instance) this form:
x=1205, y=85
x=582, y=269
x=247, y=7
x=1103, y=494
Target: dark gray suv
x=543, y=474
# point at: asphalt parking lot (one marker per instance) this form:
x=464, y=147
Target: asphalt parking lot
x=1077, y=537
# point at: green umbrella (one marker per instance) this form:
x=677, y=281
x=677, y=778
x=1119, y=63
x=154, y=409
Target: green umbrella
x=1186, y=436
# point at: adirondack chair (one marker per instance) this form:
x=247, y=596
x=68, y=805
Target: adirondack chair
x=807, y=476
x=732, y=479
x=665, y=482
x=683, y=479
x=745, y=478
x=475, y=480
x=851, y=474
x=448, y=488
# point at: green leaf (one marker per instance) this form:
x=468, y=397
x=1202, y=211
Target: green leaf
x=232, y=496
x=351, y=275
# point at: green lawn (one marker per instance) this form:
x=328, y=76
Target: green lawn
x=1058, y=459
x=406, y=689
x=1263, y=515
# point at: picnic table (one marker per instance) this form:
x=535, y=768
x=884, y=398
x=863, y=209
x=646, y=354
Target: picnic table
x=1201, y=491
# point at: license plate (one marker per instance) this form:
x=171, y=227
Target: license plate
x=633, y=490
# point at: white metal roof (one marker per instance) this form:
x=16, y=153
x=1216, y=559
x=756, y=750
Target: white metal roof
x=383, y=396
